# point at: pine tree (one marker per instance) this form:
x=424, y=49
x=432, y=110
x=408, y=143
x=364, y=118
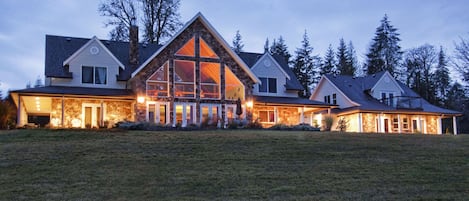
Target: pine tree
x=342, y=58
x=303, y=66
x=441, y=77
x=329, y=64
x=280, y=48
x=384, y=52
x=352, y=62
x=237, y=43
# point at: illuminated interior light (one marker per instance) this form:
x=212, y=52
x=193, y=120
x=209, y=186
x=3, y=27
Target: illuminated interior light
x=141, y=99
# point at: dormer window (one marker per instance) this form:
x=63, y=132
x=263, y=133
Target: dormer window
x=268, y=85
x=93, y=75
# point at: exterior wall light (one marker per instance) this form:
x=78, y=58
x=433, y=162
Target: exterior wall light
x=249, y=104
x=141, y=99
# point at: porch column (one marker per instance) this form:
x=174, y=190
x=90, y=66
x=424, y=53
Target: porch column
x=419, y=124
x=379, y=123
x=275, y=114
x=101, y=118
x=399, y=123
x=302, y=115
x=455, y=125
x=360, y=126
x=438, y=126
x=328, y=111
x=63, y=113
x=18, y=112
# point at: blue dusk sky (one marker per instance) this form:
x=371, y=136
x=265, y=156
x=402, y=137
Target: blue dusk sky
x=24, y=24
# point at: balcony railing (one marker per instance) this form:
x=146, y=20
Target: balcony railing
x=404, y=102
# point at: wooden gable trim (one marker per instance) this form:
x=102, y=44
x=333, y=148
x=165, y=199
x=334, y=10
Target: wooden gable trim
x=93, y=39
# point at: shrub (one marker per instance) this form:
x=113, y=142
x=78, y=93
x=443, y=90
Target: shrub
x=305, y=127
x=280, y=126
x=254, y=124
x=329, y=120
x=342, y=124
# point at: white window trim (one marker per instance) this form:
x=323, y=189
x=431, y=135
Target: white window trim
x=175, y=82
x=157, y=111
x=93, y=113
x=154, y=81
x=94, y=81
x=184, y=113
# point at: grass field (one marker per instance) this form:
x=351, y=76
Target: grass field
x=231, y=165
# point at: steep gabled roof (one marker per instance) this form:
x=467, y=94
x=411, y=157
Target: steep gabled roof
x=252, y=58
x=215, y=34
x=60, y=48
x=356, y=89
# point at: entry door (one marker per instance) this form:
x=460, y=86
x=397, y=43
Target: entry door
x=92, y=115
x=386, y=125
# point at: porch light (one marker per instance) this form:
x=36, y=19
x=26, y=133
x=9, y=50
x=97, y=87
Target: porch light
x=249, y=104
x=141, y=99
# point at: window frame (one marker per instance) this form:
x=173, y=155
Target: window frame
x=93, y=75
x=269, y=112
x=176, y=83
x=165, y=65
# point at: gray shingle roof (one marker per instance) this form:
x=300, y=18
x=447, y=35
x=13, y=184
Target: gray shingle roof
x=289, y=101
x=356, y=88
x=76, y=91
x=59, y=48
x=251, y=58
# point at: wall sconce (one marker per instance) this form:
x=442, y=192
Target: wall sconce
x=249, y=104
x=141, y=99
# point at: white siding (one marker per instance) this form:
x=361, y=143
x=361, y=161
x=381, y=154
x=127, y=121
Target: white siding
x=386, y=85
x=260, y=69
x=326, y=88
x=85, y=58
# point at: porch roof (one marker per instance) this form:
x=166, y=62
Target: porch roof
x=63, y=90
x=273, y=100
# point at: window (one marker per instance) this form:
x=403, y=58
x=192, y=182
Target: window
x=267, y=116
x=334, y=99
x=209, y=80
x=327, y=99
x=93, y=75
x=157, y=84
x=184, y=72
x=383, y=97
x=234, y=88
x=391, y=99
x=268, y=85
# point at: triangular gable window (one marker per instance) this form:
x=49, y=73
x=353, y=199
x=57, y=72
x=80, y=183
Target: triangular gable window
x=206, y=51
x=161, y=74
x=188, y=49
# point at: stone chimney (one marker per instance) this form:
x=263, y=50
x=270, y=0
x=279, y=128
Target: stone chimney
x=133, y=46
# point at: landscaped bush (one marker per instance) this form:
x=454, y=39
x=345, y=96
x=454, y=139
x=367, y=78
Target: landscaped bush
x=254, y=125
x=305, y=127
x=280, y=126
x=329, y=120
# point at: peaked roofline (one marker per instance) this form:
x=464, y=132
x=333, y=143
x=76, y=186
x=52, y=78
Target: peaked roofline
x=273, y=59
x=82, y=48
x=217, y=36
x=324, y=77
x=392, y=78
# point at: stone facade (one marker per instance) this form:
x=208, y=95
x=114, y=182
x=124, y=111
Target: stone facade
x=195, y=30
x=73, y=111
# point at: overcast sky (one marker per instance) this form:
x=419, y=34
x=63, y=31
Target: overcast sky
x=24, y=24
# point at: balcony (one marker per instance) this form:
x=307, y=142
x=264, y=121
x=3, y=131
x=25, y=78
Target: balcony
x=404, y=102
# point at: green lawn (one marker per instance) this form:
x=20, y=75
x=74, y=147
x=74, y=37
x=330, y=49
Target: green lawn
x=231, y=165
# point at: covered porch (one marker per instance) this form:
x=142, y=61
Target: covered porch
x=269, y=110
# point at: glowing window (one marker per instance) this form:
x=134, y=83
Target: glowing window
x=210, y=80
x=184, y=79
x=206, y=51
x=157, y=84
x=234, y=88
x=188, y=49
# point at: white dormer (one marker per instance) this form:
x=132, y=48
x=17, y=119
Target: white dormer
x=272, y=76
x=326, y=91
x=386, y=88
x=93, y=65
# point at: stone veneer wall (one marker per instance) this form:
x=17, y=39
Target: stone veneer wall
x=369, y=122
x=285, y=115
x=196, y=29
x=432, y=124
x=115, y=110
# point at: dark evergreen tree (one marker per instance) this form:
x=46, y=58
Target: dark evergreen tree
x=341, y=55
x=303, y=66
x=237, y=43
x=280, y=48
x=329, y=63
x=384, y=52
x=458, y=100
x=441, y=77
x=161, y=19
x=352, y=61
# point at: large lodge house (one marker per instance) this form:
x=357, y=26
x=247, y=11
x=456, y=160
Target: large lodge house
x=196, y=77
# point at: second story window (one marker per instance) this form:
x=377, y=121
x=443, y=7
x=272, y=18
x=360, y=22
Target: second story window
x=334, y=99
x=93, y=75
x=269, y=85
x=327, y=99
